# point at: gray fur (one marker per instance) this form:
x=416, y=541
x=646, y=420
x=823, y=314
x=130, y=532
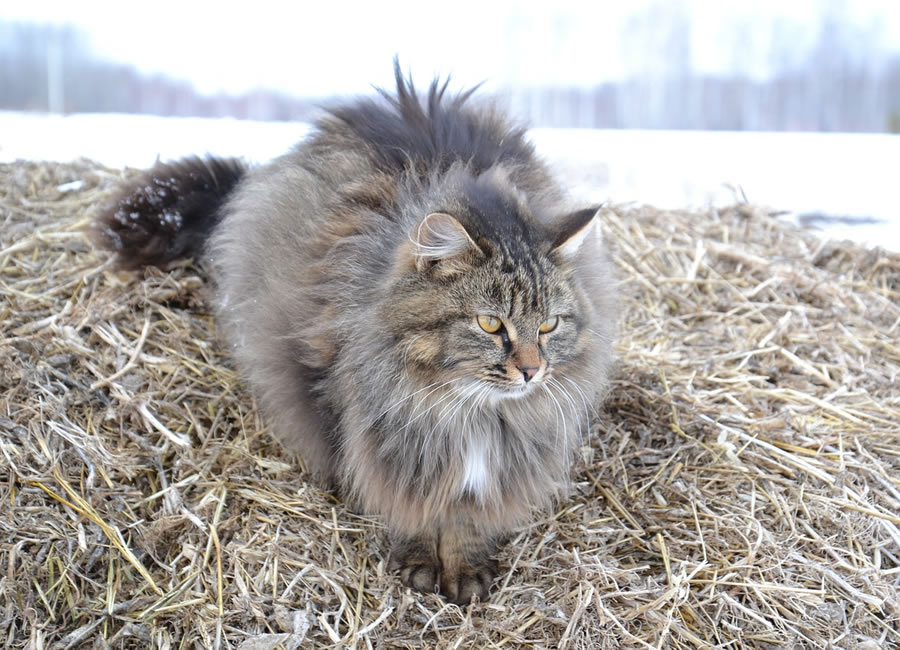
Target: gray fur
x=356, y=327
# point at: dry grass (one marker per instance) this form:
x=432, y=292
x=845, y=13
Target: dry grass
x=741, y=489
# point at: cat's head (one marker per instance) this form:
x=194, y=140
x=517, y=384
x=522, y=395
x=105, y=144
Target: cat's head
x=486, y=294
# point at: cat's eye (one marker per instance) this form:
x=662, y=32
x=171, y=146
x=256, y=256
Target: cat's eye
x=549, y=325
x=490, y=324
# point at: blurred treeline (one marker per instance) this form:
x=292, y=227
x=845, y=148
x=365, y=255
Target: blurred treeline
x=842, y=83
x=51, y=68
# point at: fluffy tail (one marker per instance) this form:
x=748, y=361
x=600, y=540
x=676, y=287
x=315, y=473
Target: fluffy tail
x=166, y=212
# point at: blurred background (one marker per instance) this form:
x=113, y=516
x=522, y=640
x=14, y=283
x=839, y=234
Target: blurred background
x=808, y=65
x=670, y=102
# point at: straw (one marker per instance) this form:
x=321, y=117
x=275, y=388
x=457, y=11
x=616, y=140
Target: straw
x=741, y=487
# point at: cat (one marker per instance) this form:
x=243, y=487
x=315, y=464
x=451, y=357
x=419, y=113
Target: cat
x=416, y=308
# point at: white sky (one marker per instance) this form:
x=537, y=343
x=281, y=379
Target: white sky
x=346, y=46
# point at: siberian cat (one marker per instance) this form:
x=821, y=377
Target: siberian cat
x=417, y=310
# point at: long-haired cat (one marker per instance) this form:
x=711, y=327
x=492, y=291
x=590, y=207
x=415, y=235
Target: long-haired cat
x=417, y=310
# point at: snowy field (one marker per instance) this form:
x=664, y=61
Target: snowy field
x=847, y=178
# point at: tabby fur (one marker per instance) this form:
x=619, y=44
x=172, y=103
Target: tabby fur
x=350, y=274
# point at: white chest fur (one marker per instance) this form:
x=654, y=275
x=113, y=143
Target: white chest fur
x=476, y=476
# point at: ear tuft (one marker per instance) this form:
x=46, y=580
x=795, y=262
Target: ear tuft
x=573, y=230
x=440, y=237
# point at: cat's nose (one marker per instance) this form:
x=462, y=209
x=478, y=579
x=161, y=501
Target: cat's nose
x=528, y=372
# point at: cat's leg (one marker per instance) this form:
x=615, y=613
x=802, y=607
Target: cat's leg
x=467, y=565
x=283, y=388
x=416, y=559
x=301, y=429
x=458, y=561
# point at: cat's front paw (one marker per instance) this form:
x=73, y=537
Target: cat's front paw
x=421, y=577
x=418, y=568
x=460, y=584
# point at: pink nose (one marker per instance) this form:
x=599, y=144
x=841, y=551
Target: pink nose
x=528, y=372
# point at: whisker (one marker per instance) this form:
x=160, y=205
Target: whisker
x=482, y=394
x=425, y=442
x=588, y=405
x=582, y=431
x=453, y=407
x=563, y=416
x=605, y=338
x=428, y=410
x=410, y=396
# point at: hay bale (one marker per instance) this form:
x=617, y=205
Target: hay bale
x=741, y=488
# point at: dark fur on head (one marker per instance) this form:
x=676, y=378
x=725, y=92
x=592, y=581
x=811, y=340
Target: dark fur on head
x=167, y=211
x=360, y=279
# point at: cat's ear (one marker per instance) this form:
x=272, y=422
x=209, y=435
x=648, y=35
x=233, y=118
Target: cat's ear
x=441, y=237
x=573, y=230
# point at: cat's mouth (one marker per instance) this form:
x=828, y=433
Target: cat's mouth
x=517, y=391
x=501, y=391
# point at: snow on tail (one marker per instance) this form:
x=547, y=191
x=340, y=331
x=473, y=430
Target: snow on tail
x=167, y=211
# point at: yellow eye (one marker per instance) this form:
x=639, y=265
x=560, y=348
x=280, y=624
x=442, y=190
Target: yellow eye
x=549, y=325
x=489, y=324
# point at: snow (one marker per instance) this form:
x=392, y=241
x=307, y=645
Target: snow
x=848, y=177
x=120, y=140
